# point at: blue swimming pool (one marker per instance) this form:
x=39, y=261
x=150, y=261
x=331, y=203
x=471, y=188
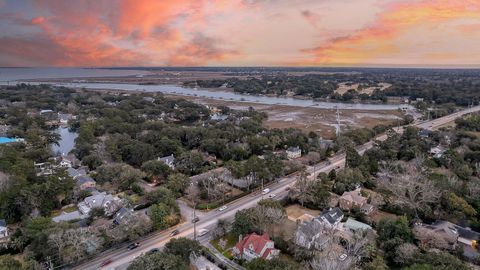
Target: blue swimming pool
x=7, y=140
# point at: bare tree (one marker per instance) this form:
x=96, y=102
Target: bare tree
x=5, y=182
x=74, y=244
x=473, y=188
x=410, y=186
x=266, y=216
x=300, y=190
x=332, y=255
x=223, y=226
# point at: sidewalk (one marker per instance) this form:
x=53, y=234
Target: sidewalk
x=230, y=264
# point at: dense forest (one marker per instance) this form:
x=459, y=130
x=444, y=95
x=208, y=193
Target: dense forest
x=460, y=87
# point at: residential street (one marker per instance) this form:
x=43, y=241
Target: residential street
x=121, y=257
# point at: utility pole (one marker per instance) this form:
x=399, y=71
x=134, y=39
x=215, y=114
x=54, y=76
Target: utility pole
x=195, y=222
x=338, y=121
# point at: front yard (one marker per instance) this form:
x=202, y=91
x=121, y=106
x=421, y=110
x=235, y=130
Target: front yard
x=225, y=244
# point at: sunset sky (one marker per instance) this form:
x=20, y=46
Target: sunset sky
x=239, y=32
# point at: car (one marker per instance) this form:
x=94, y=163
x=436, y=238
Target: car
x=195, y=219
x=265, y=191
x=202, y=232
x=271, y=196
x=133, y=246
x=174, y=232
x=287, y=188
x=343, y=257
x=106, y=262
x=223, y=208
x=153, y=251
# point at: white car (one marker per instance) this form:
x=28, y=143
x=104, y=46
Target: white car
x=343, y=257
x=265, y=191
x=202, y=232
x=223, y=208
x=271, y=196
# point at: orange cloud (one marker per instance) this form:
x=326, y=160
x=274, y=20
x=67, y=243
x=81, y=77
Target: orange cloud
x=378, y=39
x=124, y=32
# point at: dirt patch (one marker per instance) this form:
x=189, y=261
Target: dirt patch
x=295, y=211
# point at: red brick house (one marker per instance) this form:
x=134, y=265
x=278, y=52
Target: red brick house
x=354, y=199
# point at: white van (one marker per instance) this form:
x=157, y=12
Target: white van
x=202, y=232
x=265, y=191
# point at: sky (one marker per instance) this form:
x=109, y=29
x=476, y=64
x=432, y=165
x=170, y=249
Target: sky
x=240, y=33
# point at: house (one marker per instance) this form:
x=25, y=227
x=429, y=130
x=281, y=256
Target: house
x=123, y=216
x=44, y=168
x=331, y=218
x=168, y=160
x=63, y=162
x=3, y=230
x=354, y=199
x=4, y=130
x=325, y=144
x=63, y=118
x=440, y=235
x=74, y=173
x=294, y=152
x=437, y=151
x=254, y=246
x=149, y=99
x=310, y=235
x=48, y=115
x=448, y=236
x=109, y=203
x=85, y=182
x=218, y=117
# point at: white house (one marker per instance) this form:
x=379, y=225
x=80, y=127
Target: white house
x=168, y=160
x=331, y=218
x=294, y=152
x=3, y=229
x=437, y=151
x=109, y=203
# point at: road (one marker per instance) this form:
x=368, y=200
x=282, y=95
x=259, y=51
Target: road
x=121, y=257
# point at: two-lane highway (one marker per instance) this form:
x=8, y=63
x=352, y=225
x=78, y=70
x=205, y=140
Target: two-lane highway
x=122, y=257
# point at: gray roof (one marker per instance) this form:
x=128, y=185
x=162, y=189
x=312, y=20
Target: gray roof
x=332, y=215
x=121, y=214
x=74, y=173
x=294, y=149
x=466, y=233
x=3, y=223
x=84, y=179
x=167, y=159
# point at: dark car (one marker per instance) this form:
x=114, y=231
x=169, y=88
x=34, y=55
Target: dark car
x=133, y=246
x=195, y=220
x=106, y=262
x=153, y=250
x=174, y=232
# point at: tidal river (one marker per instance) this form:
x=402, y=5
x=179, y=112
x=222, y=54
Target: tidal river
x=226, y=95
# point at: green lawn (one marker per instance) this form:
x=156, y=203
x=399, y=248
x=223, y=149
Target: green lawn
x=66, y=210
x=231, y=241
